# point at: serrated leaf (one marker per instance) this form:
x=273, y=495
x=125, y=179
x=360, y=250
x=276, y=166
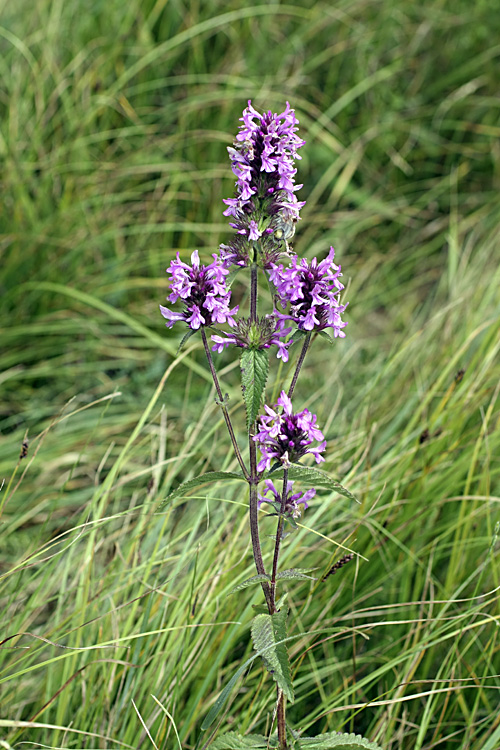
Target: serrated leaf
x=234, y=741
x=250, y=582
x=210, y=476
x=254, y=370
x=315, y=478
x=294, y=574
x=225, y=692
x=268, y=632
x=338, y=741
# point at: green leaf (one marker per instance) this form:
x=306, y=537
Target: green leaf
x=339, y=741
x=260, y=609
x=281, y=601
x=225, y=692
x=325, y=335
x=315, y=478
x=232, y=275
x=268, y=634
x=250, y=582
x=233, y=741
x=275, y=505
x=254, y=370
x=210, y=476
x=299, y=333
x=293, y=574
x=185, y=338
x=290, y=520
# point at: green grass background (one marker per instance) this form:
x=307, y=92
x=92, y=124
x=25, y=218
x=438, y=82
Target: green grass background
x=115, y=118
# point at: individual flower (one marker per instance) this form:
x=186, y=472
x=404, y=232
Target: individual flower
x=293, y=502
x=312, y=291
x=261, y=333
x=203, y=291
x=263, y=162
x=285, y=436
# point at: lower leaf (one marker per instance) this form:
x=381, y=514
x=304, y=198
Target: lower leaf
x=337, y=741
x=268, y=634
x=233, y=741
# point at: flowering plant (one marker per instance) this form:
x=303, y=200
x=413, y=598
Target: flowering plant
x=264, y=212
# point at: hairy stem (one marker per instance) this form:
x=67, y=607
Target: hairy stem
x=279, y=534
x=281, y=708
x=254, y=522
x=269, y=591
x=253, y=292
x=256, y=548
x=254, y=477
x=223, y=405
x=281, y=721
x=305, y=347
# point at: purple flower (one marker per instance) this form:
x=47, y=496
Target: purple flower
x=263, y=162
x=203, y=291
x=312, y=291
x=259, y=334
x=285, y=436
x=293, y=502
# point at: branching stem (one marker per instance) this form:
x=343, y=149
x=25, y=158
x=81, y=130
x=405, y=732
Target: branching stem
x=305, y=347
x=279, y=536
x=256, y=548
x=223, y=405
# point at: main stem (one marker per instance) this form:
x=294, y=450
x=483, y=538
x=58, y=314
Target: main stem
x=254, y=523
x=253, y=480
x=223, y=405
x=269, y=590
x=281, y=709
x=253, y=292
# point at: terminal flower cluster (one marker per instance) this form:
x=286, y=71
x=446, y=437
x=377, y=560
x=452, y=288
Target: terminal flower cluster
x=293, y=502
x=265, y=203
x=259, y=334
x=203, y=291
x=312, y=291
x=285, y=436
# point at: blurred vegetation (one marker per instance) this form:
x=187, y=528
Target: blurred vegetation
x=115, y=118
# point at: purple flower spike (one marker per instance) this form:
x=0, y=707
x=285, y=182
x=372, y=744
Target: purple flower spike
x=285, y=436
x=292, y=509
x=263, y=162
x=312, y=291
x=203, y=291
x=267, y=143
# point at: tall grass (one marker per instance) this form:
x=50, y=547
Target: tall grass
x=115, y=121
